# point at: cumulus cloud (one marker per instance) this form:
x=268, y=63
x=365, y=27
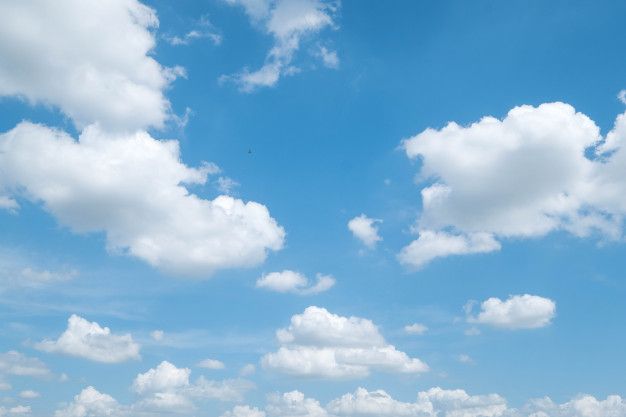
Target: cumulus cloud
x=18, y=410
x=244, y=411
x=319, y=343
x=88, y=340
x=517, y=312
x=204, y=30
x=294, y=404
x=89, y=58
x=365, y=229
x=135, y=189
x=16, y=363
x=622, y=96
x=538, y=170
x=288, y=22
x=29, y=394
x=92, y=403
x=294, y=282
x=415, y=328
x=581, y=406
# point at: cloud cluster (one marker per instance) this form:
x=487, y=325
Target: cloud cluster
x=88, y=340
x=89, y=58
x=517, y=312
x=135, y=189
x=365, y=229
x=18, y=364
x=538, y=170
x=294, y=282
x=288, y=22
x=318, y=343
x=163, y=390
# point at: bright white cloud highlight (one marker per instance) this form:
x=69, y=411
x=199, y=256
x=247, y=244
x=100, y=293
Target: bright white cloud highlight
x=135, y=189
x=294, y=282
x=90, y=58
x=288, y=22
x=524, y=176
x=88, y=340
x=517, y=312
x=319, y=343
x=365, y=229
x=294, y=404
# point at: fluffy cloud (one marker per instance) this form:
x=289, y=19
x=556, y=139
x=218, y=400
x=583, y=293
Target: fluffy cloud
x=581, y=406
x=517, y=312
x=294, y=282
x=319, y=343
x=365, y=229
x=92, y=403
x=524, y=176
x=244, y=411
x=134, y=188
x=287, y=21
x=18, y=410
x=29, y=394
x=88, y=340
x=415, y=328
x=211, y=364
x=89, y=58
x=16, y=363
x=622, y=96
x=294, y=404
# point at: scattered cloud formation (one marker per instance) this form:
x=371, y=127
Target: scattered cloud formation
x=415, y=328
x=288, y=22
x=110, y=183
x=244, y=411
x=211, y=364
x=481, y=189
x=292, y=404
x=329, y=58
x=294, y=282
x=319, y=343
x=517, y=312
x=205, y=30
x=365, y=229
x=90, y=402
x=17, y=272
x=88, y=340
x=67, y=54
x=18, y=364
x=622, y=96
x=18, y=410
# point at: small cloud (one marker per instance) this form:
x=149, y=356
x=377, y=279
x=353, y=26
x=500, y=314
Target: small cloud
x=416, y=328
x=517, y=312
x=329, y=58
x=294, y=282
x=247, y=370
x=205, y=30
x=365, y=229
x=463, y=358
x=226, y=185
x=29, y=394
x=472, y=331
x=621, y=96
x=157, y=335
x=211, y=364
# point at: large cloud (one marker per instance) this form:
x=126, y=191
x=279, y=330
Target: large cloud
x=524, y=176
x=88, y=340
x=88, y=57
x=319, y=343
x=288, y=21
x=135, y=189
x=517, y=312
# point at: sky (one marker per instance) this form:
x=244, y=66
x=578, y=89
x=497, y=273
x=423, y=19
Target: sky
x=312, y=208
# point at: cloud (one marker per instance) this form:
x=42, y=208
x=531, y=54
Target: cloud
x=329, y=58
x=288, y=22
x=244, y=411
x=294, y=282
x=365, y=229
x=621, y=96
x=318, y=343
x=135, y=189
x=211, y=364
x=18, y=410
x=157, y=335
x=205, y=30
x=294, y=404
x=581, y=406
x=538, y=170
x=89, y=58
x=18, y=272
x=247, y=369
x=16, y=363
x=415, y=328
x=517, y=312
x=92, y=403
x=430, y=245
x=88, y=340
x=29, y=394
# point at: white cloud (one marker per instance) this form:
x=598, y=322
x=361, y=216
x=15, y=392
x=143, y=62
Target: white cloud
x=376, y=403
x=244, y=411
x=247, y=369
x=17, y=272
x=157, y=335
x=211, y=364
x=319, y=343
x=622, y=96
x=415, y=328
x=89, y=58
x=329, y=58
x=294, y=404
x=16, y=363
x=517, y=312
x=524, y=176
x=92, y=403
x=205, y=30
x=88, y=340
x=465, y=358
x=294, y=282
x=288, y=22
x=5, y=386
x=365, y=229
x=581, y=406
x=18, y=410
x=135, y=189
x=430, y=245
x=29, y=394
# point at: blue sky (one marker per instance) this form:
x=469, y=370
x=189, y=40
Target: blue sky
x=267, y=194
